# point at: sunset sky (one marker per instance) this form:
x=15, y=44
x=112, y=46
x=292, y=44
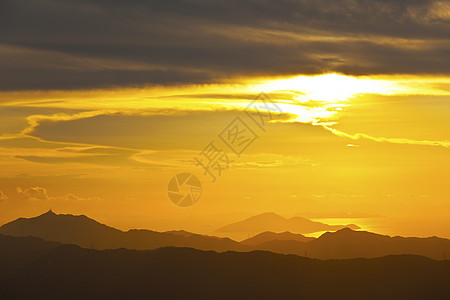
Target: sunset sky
x=103, y=102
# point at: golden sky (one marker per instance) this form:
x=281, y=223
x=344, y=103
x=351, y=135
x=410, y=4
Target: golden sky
x=97, y=121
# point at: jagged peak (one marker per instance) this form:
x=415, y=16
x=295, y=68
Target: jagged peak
x=49, y=213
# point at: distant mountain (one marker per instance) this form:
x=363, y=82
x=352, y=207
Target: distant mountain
x=51, y=271
x=88, y=233
x=269, y=236
x=273, y=222
x=346, y=243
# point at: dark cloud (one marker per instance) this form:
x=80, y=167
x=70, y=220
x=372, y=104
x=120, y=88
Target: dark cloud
x=68, y=44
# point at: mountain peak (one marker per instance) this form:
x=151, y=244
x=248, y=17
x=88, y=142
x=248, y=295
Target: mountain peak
x=64, y=228
x=341, y=232
x=49, y=213
x=349, y=233
x=345, y=229
x=268, y=215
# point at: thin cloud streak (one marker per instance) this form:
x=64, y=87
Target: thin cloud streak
x=357, y=136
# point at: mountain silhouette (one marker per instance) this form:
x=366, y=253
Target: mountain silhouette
x=15, y=251
x=347, y=243
x=46, y=270
x=342, y=244
x=273, y=222
x=88, y=233
x=269, y=236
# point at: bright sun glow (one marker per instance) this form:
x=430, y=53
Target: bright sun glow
x=319, y=99
x=329, y=94
x=329, y=87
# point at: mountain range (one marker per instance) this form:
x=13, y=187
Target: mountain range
x=342, y=244
x=347, y=243
x=36, y=269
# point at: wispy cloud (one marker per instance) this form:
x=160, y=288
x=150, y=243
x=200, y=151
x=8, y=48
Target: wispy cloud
x=33, y=193
x=40, y=194
x=357, y=136
x=3, y=197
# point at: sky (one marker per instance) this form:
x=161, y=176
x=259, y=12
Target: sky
x=345, y=107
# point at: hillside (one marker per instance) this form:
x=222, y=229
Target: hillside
x=70, y=272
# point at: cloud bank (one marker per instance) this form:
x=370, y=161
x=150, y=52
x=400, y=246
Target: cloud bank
x=68, y=44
